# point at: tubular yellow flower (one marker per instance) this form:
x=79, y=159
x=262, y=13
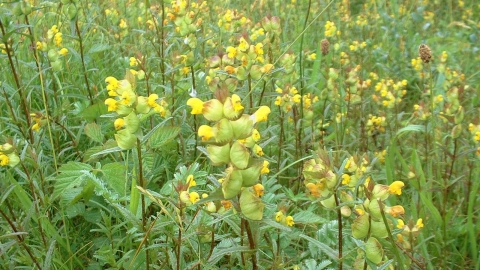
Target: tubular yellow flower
x=261, y=114
x=259, y=190
x=36, y=127
x=191, y=181
x=255, y=135
x=258, y=150
x=133, y=61
x=39, y=45
x=419, y=223
x=396, y=210
x=265, y=169
x=196, y=104
x=237, y=103
x=205, y=132
x=194, y=197
x=152, y=100
x=231, y=52
x=396, y=187
x=279, y=216
x=111, y=104
x=346, y=179
x=400, y=224
x=58, y=39
x=4, y=160
x=112, y=86
x=63, y=51
x=289, y=221
x=119, y=123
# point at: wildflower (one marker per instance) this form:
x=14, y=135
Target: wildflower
x=289, y=221
x=255, y=135
x=194, y=197
x=265, y=169
x=63, y=51
x=259, y=48
x=229, y=69
x=346, y=179
x=205, y=132
x=119, y=123
x=396, y=187
x=152, y=100
x=111, y=104
x=261, y=114
x=279, y=216
x=122, y=24
x=259, y=190
x=258, y=150
x=133, y=61
x=112, y=86
x=226, y=204
x=39, y=45
x=396, y=210
x=196, y=104
x=128, y=98
x=237, y=103
x=58, y=39
x=400, y=224
x=266, y=68
x=191, y=181
x=4, y=160
x=312, y=56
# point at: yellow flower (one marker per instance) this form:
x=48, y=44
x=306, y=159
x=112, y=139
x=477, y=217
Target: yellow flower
x=419, y=223
x=400, y=224
x=36, y=127
x=4, y=160
x=194, y=197
x=346, y=179
x=229, y=69
x=261, y=114
x=128, y=98
x=133, y=61
x=396, y=187
x=226, y=204
x=191, y=181
x=289, y=221
x=237, y=103
x=312, y=56
x=196, y=104
x=265, y=169
x=119, y=123
x=296, y=98
x=112, y=86
x=63, y=51
x=396, y=210
x=266, y=68
x=258, y=150
x=255, y=135
x=39, y=45
x=279, y=216
x=231, y=52
x=152, y=100
x=259, y=190
x=122, y=24
x=205, y=132
x=111, y=104
x=58, y=39
x=259, y=48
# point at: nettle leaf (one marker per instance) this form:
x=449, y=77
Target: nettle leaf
x=70, y=181
x=114, y=175
x=94, y=132
x=163, y=135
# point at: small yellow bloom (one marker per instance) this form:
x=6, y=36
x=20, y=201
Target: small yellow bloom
x=296, y=98
x=39, y=45
x=419, y=223
x=111, y=104
x=312, y=56
x=128, y=98
x=58, y=39
x=255, y=135
x=396, y=210
x=279, y=216
x=267, y=68
x=226, y=204
x=205, y=132
x=122, y=24
x=265, y=169
x=400, y=224
x=346, y=179
x=112, y=86
x=259, y=190
x=231, y=52
x=63, y=51
x=119, y=123
x=289, y=221
x=261, y=114
x=237, y=103
x=196, y=104
x=258, y=150
x=36, y=127
x=230, y=69
x=133, y=61
x=396, y=187
x=152, y=100
x=191, y=181
x=194, y=197
x=4, y=160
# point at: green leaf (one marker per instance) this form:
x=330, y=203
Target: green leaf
x=98, y=48
x=162, y=136
x=93, y=111
x=114, y=175
x=94, y=132
x=70, y=181
x=219, y=253
x=324, y=248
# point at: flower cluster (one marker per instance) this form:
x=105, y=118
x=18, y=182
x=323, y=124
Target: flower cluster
x=389, y=93
x=410, y=231
x=376, y=124
x=130, y=108
x=233, y=141
x=51, y=46
x=284, y=219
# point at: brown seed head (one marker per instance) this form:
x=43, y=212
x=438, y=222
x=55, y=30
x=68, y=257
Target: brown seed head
x=425, y=53
x=324, y=45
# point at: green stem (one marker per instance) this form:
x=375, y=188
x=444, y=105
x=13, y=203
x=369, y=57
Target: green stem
x=82, y=56
x=143, y=185
x=390, y=236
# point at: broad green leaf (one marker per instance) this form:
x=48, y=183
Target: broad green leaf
x=114, y=175
x=163, y=135
x=94, y=132
x=70, y=181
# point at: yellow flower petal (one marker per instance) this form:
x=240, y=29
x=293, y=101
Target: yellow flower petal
x=196, y=104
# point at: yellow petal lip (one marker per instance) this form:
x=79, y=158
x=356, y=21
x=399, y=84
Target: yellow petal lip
x=205, y=132
x=196, y=104
x=261, y=114
x=396, y=187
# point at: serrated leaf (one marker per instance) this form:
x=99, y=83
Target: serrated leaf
x=70, y=180
x=163, y=135
x=94, y=132
x=324, y=248
x=114, y=175
x=94, y=111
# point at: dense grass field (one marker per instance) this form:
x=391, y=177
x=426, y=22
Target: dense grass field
x=254, y=134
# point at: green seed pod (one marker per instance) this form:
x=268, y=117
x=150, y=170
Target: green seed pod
x=125, y=139
x=26, y=7
x=252, y=207
x=456, y=131
x=374, y=250
x=219, y=154
x=17, y=10
x=57, y=65
x=239, y=155
x=52, y=55
x=72, y=12
x=232, y=184
x=360, y=227
x=132, y=122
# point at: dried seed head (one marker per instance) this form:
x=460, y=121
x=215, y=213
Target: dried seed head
x=425, y=53
x=324, y=45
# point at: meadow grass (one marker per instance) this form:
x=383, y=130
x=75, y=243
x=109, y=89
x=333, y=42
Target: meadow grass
x=239, y=134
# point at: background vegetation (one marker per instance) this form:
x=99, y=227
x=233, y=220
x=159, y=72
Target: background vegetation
x=239, y=134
